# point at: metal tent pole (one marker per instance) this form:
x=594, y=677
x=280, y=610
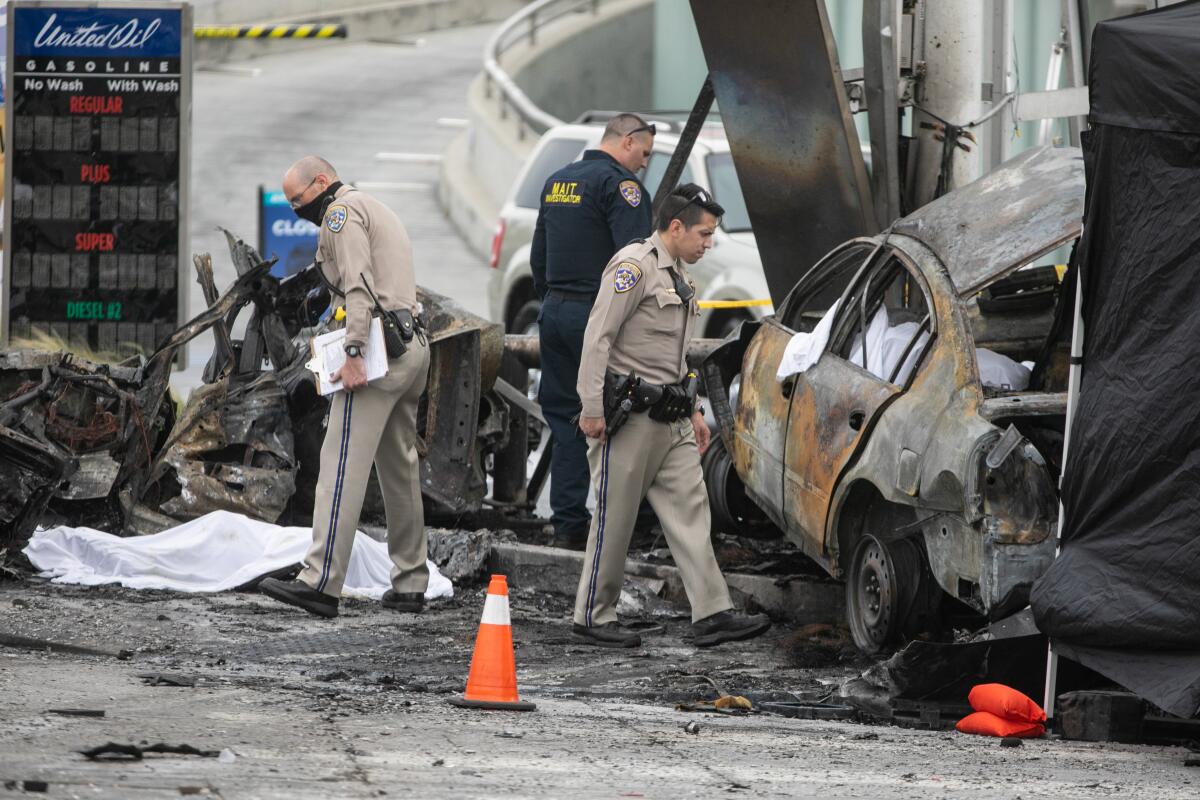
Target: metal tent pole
x=1073, y=376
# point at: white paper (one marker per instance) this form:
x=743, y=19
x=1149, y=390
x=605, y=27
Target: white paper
x=214, y=553
x=329, y=354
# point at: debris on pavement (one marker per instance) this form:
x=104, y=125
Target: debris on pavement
x=47, y=646
x=167, y=679
x=77, y=712
x=725, y=704
x=692, y=727
x=462, y=556
x=112, y=751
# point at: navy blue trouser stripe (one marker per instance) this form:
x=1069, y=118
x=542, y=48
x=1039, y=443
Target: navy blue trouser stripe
x=601, y=511
x=334, y=510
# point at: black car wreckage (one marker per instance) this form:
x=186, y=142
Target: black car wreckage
x=103, y=445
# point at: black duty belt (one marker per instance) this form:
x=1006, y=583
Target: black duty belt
x=589, y=297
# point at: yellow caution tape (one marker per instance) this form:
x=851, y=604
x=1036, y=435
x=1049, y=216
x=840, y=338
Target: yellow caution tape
x=306, y=31
x=340, y=313
x=733, y=303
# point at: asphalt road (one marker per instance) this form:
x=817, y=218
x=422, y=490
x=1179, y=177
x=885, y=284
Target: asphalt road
x=356, y=708
x=346, y=102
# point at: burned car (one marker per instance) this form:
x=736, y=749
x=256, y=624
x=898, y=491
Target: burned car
x=914, y=456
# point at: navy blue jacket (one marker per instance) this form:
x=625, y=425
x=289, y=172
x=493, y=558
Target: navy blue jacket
x=589, y=209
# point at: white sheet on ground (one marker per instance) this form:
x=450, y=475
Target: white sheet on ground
x=214, y=553
x=885, y=346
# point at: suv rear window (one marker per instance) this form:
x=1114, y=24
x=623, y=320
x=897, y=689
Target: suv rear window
x=556, y=154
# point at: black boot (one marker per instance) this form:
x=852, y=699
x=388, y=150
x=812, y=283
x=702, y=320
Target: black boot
x=610, y=634
x=300, y=595
x=412, y=602
x=726, y=626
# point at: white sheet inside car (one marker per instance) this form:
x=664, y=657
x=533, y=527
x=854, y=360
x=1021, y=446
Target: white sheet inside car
x=885, y=346
x=214, y=553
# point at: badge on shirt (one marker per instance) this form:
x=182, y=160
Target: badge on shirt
x=628, y=274
x=335, y=218
x=631, y=192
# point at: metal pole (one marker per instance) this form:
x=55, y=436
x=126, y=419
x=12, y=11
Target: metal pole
x=1073, y=377
x=1053, y=76
x=683, y=150
x=952, y=87
x=881, y=75
x=1073, y=27
x=1002, y=58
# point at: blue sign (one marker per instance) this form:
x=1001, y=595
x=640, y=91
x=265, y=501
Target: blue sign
x=97, y=32
x=284, y=235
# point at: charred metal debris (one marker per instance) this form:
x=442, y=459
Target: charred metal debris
x=102, y=445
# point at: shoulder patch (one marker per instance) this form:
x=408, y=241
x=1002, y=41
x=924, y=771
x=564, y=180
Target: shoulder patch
x=631, y=192
x=627, y=276
x=335, y=218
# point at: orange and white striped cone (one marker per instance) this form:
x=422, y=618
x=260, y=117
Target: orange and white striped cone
x=492, y=682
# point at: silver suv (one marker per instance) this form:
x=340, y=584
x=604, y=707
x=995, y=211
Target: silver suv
x=731, y=271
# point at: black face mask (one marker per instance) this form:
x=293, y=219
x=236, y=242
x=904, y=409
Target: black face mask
x=314, y=210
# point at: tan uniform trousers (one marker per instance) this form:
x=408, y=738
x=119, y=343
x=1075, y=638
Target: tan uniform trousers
x=376, y=423
x=661, y=463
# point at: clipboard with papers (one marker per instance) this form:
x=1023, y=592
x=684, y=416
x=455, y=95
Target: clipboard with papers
x=328, y=356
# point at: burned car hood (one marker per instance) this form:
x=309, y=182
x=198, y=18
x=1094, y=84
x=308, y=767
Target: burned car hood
x=1026, y=207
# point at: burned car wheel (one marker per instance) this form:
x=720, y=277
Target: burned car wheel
x=881, y=576
x=732, y=511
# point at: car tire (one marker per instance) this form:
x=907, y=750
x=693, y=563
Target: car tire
x=883, y=579
x=525, y=320
x=733, y=511
x=726, y=323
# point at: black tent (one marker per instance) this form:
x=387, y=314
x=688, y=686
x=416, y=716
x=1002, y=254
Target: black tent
x=1123, y=598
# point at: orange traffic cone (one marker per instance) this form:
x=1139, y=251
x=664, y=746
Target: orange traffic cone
x=492, y=682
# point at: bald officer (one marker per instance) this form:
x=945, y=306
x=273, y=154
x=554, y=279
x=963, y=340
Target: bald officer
x=640, y=325
x=363, y=249
x=589, y=209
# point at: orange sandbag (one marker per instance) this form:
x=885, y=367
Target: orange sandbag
x=984, y=723
x=1005, y=702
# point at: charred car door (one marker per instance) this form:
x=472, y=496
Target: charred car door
x=881, y=331
x=763, y=405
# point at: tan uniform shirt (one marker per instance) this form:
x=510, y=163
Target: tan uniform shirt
x=363, y=243
x=639, y=323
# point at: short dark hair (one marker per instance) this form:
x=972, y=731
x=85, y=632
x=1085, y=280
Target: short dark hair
x=622, y=125
x=688, y=203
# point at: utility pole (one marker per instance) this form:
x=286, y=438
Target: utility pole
x=951, y=92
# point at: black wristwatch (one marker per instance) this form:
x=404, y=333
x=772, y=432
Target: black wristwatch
x=353, y=351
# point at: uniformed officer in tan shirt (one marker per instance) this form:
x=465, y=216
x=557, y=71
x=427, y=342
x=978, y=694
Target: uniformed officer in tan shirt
x=641, y=324
x=362, y=249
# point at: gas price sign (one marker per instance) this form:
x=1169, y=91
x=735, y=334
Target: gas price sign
x=97, y=146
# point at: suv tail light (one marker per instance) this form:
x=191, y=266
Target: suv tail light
x=497, y=243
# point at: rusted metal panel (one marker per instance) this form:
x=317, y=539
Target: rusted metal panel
x=761, y=419
x=1025, y=404
x=779, y=86
x=834, y=408
x=987, y=229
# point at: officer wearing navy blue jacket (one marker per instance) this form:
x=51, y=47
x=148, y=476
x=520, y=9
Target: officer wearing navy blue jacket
x=589, y=209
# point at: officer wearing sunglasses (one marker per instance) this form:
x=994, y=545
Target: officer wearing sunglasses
x=588, y=210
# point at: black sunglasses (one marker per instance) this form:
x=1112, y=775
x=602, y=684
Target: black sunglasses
x=650, y=128
x=703, y=199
